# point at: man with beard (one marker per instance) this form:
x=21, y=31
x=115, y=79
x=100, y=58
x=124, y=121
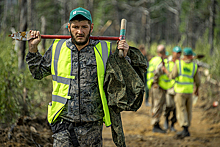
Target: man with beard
x=77, y=66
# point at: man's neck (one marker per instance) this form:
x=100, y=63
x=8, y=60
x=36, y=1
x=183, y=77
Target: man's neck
x=79, y=47
x=160, y=55
x=174, y=59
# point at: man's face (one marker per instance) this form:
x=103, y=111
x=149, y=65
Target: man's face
x=80, y=31
x=176, y=55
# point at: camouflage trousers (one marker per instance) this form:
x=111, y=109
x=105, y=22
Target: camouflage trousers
x=69, y=134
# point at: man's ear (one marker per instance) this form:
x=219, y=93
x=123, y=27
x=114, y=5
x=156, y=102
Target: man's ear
x=69, y=27
x=91, y=27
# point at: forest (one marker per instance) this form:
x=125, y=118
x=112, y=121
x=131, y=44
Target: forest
x=184, y=23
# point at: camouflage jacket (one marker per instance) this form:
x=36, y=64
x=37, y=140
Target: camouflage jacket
x=124, y=83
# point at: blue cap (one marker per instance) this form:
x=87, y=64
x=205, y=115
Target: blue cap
x=188, y=51
x=80, y=11
x=167, y=53
x=177, y=49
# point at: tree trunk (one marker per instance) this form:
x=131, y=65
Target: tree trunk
x=25, y=111
x=176, y=29
x=177, y=19
x=43, y=31
x=143, y=27
x=29, y=14
x=23, y=27
x=89, y=6
x=148, y=31
x=212, y=25
x=190, y=22
x=116, y=21
x=167, y=26
x=3, y=22
x=65, y=15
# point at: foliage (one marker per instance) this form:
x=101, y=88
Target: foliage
x=13, y=101
x=11, y=83
x=45, y=7
x=202, y=47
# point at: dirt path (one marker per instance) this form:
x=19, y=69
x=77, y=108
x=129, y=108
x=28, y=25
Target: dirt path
x=138, y=131
x=205, y=128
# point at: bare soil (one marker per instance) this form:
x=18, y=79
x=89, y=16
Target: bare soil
x=205, y=128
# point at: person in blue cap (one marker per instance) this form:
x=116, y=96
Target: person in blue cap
x=185, y=72
x=170, y=104
x=77, y=65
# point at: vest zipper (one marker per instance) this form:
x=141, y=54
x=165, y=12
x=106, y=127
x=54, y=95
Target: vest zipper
x=79, y=86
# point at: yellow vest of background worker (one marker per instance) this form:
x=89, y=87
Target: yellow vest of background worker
x=185, y=80
x=164, y=81
x=154, y=62
x=61, y=74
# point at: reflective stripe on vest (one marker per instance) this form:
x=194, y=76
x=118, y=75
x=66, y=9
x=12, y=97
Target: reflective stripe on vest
x=164, y=81
x=61, y=72
x=185, y=80
x=154, y=62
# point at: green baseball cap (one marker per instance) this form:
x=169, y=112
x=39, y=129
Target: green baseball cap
x=188, y=51
x=80, y=11
x=177, y=49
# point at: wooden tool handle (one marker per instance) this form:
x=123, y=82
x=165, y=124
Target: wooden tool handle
x=122, y=35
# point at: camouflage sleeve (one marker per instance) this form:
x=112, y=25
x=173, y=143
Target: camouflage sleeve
x=137, y=61
x=197, y=79
x=39, y=66
x=137, y=58
x=174, y=73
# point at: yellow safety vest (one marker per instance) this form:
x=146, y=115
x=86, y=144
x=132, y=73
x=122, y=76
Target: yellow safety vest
x=154, y=62
x=164, y=81
x=185, y=80
x=61, y=74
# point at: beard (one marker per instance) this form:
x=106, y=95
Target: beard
x=79, y=43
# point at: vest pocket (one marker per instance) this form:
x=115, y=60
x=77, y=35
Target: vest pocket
x=54, y=110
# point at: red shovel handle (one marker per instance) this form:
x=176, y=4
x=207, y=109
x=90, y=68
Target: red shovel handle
x=68, y=36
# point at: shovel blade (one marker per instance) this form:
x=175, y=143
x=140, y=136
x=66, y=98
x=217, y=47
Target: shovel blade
x=21, y=36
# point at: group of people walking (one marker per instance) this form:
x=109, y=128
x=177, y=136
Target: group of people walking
x=170, y=84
